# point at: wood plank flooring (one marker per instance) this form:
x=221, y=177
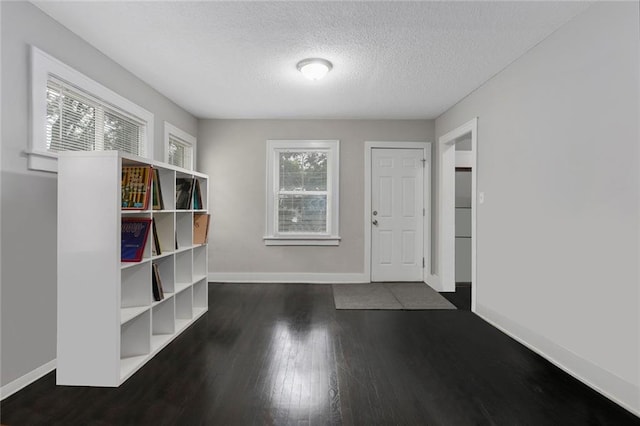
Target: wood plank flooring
x=281, y=354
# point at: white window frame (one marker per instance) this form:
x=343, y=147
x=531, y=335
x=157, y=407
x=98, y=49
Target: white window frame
x=186, y=138
x=44, y=65
x=332, y=236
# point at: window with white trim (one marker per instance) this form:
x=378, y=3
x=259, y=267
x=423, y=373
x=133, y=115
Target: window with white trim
x=71, y=112
x=179, y=147
x=76, y=121
x=302, y=192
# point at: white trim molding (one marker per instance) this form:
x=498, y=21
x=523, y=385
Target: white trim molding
x=42, y=67
x=426, y=147
x=432, y=280
x=464, y=158
x=24, y=381
x=287, y=277
x=303, y=241
x=615, y=388
x=447, y=156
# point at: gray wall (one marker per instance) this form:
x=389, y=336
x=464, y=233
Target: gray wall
x=28, y=311
x=558, y=161
x=233, y=153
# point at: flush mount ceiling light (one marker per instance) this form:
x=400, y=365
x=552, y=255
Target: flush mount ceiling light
x=314, y=68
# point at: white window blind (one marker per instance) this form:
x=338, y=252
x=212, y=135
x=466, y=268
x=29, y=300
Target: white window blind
x=77, y=121
x=179, y=152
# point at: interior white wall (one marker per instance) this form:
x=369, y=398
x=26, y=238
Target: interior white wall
x=558, y=161
x=233, y=153
x=29, y=199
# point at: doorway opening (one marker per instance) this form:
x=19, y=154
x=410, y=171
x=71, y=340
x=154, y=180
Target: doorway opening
x=456, y=239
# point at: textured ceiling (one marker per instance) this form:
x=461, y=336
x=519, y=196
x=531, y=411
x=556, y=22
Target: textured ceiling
x=238, y=59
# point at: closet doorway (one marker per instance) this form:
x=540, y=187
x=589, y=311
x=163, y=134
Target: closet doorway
x=456, y=254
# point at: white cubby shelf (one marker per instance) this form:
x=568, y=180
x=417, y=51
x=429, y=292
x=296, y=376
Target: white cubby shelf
x=109, y=324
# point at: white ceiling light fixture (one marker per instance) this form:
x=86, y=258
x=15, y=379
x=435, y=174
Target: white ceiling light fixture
x=314, y=68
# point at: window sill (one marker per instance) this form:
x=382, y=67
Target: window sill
x=44, y=161
x=301, y=241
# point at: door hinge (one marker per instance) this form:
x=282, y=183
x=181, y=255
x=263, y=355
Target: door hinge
x=424, y=162
x=424, y=212
x=423, y=262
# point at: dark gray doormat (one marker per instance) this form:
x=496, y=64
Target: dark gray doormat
x=408, y=296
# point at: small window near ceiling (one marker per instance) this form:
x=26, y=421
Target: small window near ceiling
x=76, y=121
x=71, y=112
x=180, y=147
x=302, y=192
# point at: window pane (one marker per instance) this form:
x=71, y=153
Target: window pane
x=179, y=152
x=54, y=98
x=120, y=134
x=176, y=154
x=73, y=123
x=78, y=122
x=303, y=171
x=302, y=213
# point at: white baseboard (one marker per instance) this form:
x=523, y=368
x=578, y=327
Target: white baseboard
x=615, y=388
x=286, y=277
x=21, y=382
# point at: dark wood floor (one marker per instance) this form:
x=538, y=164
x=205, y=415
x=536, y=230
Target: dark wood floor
x=461, y=297
x=281, y=354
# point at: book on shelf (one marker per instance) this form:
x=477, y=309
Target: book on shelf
x=197, y=196
x=156, y=284
x=156, y=241
x=184, y=189
x=136, y=187
x=200, y=228
x=135, y=231
x=158, y=202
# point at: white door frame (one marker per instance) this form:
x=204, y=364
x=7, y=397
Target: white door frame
x=446, y=211
x=426, y=238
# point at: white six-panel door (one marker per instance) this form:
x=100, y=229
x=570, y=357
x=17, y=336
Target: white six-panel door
x=397, y=214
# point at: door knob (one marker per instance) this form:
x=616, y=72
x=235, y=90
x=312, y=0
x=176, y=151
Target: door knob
x=375, y=222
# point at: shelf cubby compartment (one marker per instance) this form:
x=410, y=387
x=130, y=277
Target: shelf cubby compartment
x=168, y=188
x=183, y=178
x=184, y=276
x=138, y=214
x=204, y=191
x=128, y=162
x=200, y=299
x=184, y=308
x=166, y=231
x=199, y=263
x=135, y=343
x=135, y=294
x=184, y=229
x=163, y=324
x=166, y=269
